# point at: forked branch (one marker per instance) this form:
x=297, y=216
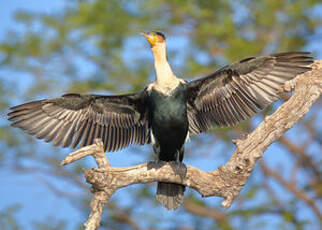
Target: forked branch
x=227, y=180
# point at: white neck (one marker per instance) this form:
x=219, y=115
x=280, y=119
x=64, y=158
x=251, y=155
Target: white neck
x=163, y=70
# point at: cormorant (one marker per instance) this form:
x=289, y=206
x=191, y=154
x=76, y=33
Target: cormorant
x=166, y=112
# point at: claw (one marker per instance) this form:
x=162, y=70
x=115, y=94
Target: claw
x=179, y=168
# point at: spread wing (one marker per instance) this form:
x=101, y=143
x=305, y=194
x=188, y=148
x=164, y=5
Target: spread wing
x=72, y=119
x=236, y=92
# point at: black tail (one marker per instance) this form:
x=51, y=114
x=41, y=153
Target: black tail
x=170, y=195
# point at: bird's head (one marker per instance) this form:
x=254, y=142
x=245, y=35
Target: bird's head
x=154, y=38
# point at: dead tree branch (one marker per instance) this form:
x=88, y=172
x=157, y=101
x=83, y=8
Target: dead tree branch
x=227, y=180
x=303, y=156
x=100, y=196
x=204, y=211
x=300, y=194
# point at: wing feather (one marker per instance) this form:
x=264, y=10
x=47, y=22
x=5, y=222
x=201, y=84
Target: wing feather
x=236, y=92
x=74, y=119
x=105, y=138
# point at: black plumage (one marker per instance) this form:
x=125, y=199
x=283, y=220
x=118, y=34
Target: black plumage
x=74, y=119
x=169, y=130
x=236, y=92
x=224, y=98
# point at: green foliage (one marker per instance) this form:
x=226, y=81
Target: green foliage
x=50, y=224
x=8, y=219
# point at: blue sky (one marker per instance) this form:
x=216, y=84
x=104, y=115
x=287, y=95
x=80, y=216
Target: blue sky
x=7, y=8
x=27, y=190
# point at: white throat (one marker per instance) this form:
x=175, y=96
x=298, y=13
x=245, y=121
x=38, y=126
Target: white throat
x=166, y=80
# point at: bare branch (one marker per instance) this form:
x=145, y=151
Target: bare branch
x=100, y=196
x=300, y=194
x=204, y=211
x=227, y=180
x=302, y=154
x=96, y=150
x=124, y=218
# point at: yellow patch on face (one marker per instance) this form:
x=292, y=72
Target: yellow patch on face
x=153, y=38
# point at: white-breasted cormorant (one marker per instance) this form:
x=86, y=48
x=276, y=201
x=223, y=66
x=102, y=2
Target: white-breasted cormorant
x=166, y=112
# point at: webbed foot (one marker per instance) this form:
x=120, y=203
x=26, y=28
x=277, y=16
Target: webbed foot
x=179, y=168
x=155, y=164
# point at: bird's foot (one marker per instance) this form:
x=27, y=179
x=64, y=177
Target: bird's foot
x=155, y=164
x=179, y=168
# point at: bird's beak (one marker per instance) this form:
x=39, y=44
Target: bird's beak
x=152, y=39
